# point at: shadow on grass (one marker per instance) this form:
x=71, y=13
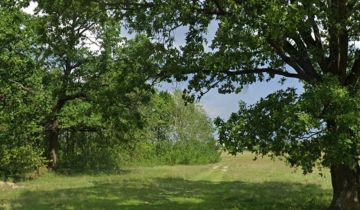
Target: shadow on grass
x=175, y=193
x=82, y=172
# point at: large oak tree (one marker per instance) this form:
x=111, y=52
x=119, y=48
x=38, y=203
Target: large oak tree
x=96, y=79
x=312, y=41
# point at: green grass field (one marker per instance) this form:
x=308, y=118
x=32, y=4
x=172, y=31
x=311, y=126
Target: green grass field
x=234, y=183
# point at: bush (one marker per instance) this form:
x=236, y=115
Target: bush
x=180, y=152
x=89, y=153
x=170, y=133
x=18, y=162
x=112, y=158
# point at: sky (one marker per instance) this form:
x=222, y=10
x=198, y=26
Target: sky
x=215, y=104
x=222, y=105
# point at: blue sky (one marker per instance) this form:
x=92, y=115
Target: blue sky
x=221, y=105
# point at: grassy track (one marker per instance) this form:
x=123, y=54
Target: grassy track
x=234, y=183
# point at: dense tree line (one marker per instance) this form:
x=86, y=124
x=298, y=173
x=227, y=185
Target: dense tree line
x=53, y=83
x=72, y=87
x=171, y=133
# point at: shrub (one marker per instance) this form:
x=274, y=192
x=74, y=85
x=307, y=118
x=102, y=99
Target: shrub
x=18, y=162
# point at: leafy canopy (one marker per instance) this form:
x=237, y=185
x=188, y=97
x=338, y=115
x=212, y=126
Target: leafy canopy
x=55, y=84
x=312, y=41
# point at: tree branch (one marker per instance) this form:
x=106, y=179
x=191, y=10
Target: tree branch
x=339, y=38
x=354, y=75
x=80, y=95
x=280, y=52
x=126, y=4
x=269, y=71
x=84, y=128
x=217, y=11
x=21, y=86
x=314, y=44
x=300, y=55
x=63, y=99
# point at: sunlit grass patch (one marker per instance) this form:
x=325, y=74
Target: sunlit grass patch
x=245, y=184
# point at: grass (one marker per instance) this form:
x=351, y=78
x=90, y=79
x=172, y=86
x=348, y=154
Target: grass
x=234, y=183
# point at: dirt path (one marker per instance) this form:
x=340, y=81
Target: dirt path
x=213, y=173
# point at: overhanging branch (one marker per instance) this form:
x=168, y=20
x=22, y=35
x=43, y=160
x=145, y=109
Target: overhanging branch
x=354, y=75
x=269, y=71
x=22, y=87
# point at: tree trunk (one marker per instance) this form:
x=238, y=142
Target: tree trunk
x=346, y=187
x=52, y=138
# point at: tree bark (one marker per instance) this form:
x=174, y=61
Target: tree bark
x=346, y=187
x=52, y=138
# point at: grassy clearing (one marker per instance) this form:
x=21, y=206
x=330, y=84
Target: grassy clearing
x=233, y=183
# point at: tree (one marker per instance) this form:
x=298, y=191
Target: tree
x=64, y=57
x=21, y=98
x=191, y=122
x=175, y=133
x=312, y=41
x=67, y=71
x=159, y=117
x=169, y=118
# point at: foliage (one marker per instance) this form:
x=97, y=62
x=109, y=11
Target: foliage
x=297, y=127
x=21, y=98
x=58, y=93
x=256, y=41
x=179, y=120
x=91, y=90
x=157, y=142
x=53, y=83
x=313, y=41
x=177, y=133
x=173, y=153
